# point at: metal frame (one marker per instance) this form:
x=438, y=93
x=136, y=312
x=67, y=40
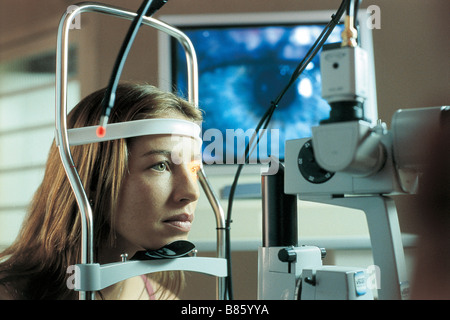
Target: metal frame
x=385, y=238
x=63, y=143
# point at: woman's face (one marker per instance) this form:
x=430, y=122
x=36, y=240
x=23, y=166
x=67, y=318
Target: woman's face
x=159, y=194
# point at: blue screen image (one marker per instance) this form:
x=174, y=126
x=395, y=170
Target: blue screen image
x=241, y=71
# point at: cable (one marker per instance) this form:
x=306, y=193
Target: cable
x=147, y=8
x=265, y=122
x=355, y=20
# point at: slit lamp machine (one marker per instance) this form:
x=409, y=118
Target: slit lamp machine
x=347, y=162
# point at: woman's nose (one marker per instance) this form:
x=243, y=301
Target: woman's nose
x=186, y=183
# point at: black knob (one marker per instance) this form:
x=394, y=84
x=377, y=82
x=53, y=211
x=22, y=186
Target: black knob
x=287, y=255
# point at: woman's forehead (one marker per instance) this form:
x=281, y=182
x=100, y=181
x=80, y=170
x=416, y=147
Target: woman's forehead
x=170, y=144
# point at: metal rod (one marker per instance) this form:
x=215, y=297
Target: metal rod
x=61, y=135
x=62, y=141
x=220, y=229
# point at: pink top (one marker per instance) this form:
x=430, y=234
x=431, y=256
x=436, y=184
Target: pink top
x=149, y=287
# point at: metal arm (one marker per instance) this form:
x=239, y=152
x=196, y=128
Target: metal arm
x=61, y=133
x=386, y=241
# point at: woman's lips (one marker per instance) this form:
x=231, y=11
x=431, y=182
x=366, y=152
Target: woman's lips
x=182, y=221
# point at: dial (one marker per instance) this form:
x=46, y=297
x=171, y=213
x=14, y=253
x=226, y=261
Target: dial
x=308, y=166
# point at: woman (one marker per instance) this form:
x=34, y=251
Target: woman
x=141, y=199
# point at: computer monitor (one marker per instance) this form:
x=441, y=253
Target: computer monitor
x=245, y=60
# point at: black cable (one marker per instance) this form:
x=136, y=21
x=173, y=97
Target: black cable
x=147, y=8
x=316, y=46
x=349, y=8
x=356, y=8
x=355, y=12
x=265, y=121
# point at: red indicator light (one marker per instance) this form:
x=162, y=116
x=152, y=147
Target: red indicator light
x=101, y=131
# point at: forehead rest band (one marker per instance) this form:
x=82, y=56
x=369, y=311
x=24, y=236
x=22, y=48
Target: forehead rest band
x=129, y=129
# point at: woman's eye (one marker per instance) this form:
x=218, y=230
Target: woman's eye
x=162, y=166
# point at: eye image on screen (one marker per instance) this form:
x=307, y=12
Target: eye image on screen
x=243, y=69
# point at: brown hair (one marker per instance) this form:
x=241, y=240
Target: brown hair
x=50, y=238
